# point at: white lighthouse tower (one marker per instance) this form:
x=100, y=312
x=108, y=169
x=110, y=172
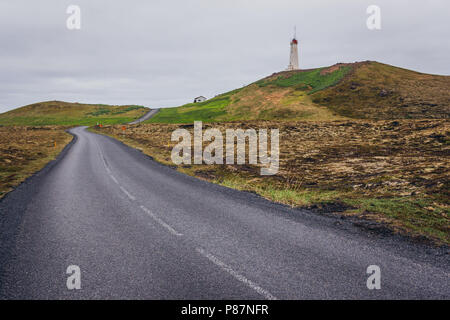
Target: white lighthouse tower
x=293, y=60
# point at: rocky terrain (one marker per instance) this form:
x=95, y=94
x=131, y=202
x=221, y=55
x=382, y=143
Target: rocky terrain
x=25, y=150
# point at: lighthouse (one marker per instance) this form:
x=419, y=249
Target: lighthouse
x=293, y=59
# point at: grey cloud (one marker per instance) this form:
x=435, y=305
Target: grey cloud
x=163, y=53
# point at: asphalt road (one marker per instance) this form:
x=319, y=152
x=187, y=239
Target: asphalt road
x=138, y=229
x=146, y=116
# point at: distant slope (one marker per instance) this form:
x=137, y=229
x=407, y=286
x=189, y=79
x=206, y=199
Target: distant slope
x=146, y=116
x=66, y=113
x=355, y=90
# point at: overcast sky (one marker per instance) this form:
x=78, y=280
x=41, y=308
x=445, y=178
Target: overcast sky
x=165, y=53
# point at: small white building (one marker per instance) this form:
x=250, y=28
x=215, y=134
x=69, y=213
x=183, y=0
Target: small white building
x=199, y=99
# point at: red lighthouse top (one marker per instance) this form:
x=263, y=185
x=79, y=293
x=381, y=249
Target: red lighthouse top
x=294, y=41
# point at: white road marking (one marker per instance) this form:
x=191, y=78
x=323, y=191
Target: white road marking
x=127, y=193
x=103, y=158
x=104, y=163
x=162, y=223
x=114, y=179
x=266, y=294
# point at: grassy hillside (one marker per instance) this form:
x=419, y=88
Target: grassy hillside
x=380, y=91
x=66, y=113
x=363, y=90
x=210, y=110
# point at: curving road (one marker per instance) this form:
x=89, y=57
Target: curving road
x=138, y=229
x=146, y=116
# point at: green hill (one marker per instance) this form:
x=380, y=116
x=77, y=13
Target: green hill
x=66, y=113
x=362, y=90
